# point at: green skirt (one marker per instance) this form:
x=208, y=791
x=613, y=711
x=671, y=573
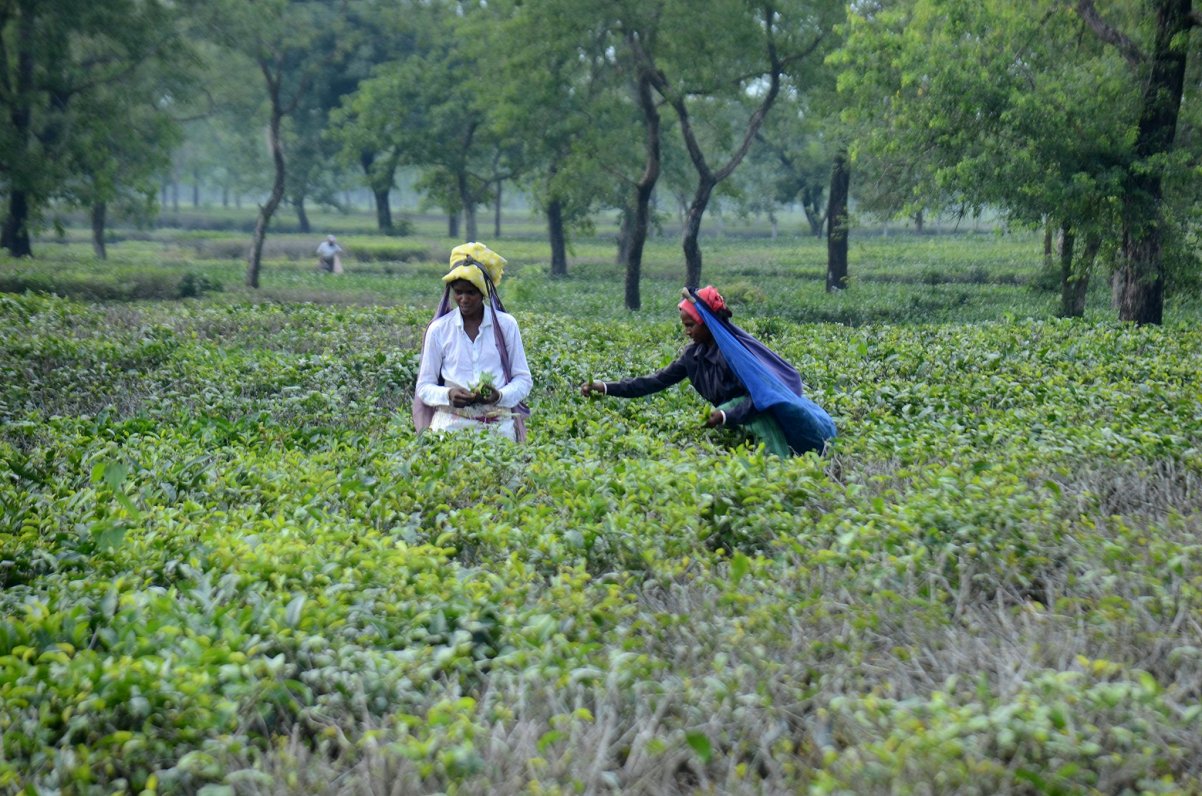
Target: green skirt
x=763, y=429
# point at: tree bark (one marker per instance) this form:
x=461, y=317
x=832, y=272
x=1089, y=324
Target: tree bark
x=707, y=178
x=496, y=223
x=471, y=227
x=302, y=217
x=640, y=220
x=1139, y=280
x=99, y=216
x=836, y=231
x=692, y=227
x=15, y=235
x=811, y=201
x=266, y=211
x=1067, y=240
x=1093, y=244
x=468, y=202
x=452, y=225
x=380, y=188
x=625, y=221
x=383, y=210
x=559, y=249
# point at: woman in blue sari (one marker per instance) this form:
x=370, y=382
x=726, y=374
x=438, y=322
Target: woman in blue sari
x=747, y=384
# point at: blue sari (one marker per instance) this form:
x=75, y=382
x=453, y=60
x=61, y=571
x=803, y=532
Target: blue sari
x=774, y=385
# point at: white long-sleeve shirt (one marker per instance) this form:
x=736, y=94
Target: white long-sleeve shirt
x=448, y=352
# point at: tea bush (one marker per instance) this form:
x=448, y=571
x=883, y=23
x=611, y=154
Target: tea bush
x=228, y=565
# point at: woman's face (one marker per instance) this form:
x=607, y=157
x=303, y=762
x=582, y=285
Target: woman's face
x=697, y=332
x=469, y=300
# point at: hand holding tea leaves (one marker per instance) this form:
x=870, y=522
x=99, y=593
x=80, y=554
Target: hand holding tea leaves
x=484, y=391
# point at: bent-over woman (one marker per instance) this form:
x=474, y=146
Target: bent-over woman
x=747, y=384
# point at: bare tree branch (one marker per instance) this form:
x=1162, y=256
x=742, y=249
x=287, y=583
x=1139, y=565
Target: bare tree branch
x=1108, y=33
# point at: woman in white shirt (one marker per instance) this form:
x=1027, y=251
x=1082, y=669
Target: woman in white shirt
x=473, y=371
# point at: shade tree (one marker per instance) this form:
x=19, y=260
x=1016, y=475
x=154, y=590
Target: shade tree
x=426, y=107
x=1157, y=46
x=72, y=72
x=290, y=42
x=557, y=101
x=722, y=55
x=972, y=104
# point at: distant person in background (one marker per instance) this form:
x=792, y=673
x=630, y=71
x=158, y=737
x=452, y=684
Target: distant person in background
x=473, y=373
x=747, y=384
x=327, y=256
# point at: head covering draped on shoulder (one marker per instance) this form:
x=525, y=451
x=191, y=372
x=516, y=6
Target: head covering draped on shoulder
x=471, y=261
x=712, y=298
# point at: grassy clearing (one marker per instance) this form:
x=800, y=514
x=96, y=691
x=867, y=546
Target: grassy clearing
x=970, y=277
x=229, y=563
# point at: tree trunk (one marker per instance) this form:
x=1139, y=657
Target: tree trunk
x=919, y=222
x=1139, y=279
x=302, y=217
x=266, y=211
x=196, y=188
x=380, y=186
x=15, y=235
x=452, y=225
x=496, y=222
x=383, y=211
x=692, y=228
x=1074, y=276
x=99, y=215
x=836, y=231
x=640, y=220
x=469, y=220
x=625, y=222
x=1067, y=239
x=811, y=201
x=707, y=178
x=468, y=202
x=559, y=255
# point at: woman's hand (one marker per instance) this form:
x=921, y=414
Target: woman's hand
x=461, y=397
x=716, y=418
x=589, y=387
x=488, y=395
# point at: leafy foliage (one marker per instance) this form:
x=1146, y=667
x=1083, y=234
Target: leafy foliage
x=228, y=563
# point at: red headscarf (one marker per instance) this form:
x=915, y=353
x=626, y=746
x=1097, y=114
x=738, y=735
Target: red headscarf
x=712, y=298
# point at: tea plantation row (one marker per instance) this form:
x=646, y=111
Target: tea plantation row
x=229, y=566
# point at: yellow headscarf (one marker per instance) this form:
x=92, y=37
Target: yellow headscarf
x=462, y=258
